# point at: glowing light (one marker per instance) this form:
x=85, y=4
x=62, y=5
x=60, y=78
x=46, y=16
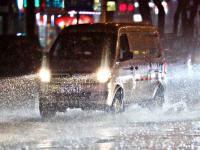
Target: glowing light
x=52, y=20
x=89, y=13
x=156, y=10
x=122, y=7
x=165, y=5
x=130, y=8
x=61, y=24
x=103, y=75
x=45, y=75
x=66, y=21
x=20, y=4
x=63, y=4
x=25, y=3
x=73, y=12
x=136, y=4
x=19, y=34
x=74, y=21
x=37, y=3
x=151, y=4
x=45, y=19
x=137, y=18
x=111, y=6
x=38, y=18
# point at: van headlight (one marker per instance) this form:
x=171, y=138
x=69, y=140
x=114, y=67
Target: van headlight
x=103, y=75
x=45, y=75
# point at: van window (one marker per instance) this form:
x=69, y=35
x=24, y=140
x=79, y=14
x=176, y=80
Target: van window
x=144, y=44
x=125, y=53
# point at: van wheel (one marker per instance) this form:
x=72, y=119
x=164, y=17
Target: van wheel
x=46, y=109
x=159, y=98
x=118, y=102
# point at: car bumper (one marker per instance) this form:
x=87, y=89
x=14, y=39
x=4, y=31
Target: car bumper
x=87, y=96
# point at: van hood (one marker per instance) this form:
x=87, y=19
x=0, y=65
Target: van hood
x=73, y=66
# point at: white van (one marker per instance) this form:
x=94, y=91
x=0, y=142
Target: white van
x=92, y=66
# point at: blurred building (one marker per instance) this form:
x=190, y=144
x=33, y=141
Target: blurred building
x=8, y=12
x=53, y=15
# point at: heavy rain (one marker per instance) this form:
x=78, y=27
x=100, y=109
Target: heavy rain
x=176, y=125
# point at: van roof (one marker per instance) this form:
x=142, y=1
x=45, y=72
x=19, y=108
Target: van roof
x=110, y=27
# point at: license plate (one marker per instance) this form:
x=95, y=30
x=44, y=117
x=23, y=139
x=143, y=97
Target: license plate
x=70, y=89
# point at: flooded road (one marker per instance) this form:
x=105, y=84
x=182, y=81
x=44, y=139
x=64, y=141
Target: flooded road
x=176, y=126
x=95, y=130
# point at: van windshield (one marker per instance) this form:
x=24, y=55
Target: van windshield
x=83, y=51
x=84, y=45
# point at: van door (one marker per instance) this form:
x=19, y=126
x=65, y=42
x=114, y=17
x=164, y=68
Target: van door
x=146, y=53
x=142, y=79
x=124, y=71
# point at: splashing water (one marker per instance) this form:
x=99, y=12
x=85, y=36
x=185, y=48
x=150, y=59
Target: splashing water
x=182, y=94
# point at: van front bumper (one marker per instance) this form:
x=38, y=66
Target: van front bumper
x=93, y=95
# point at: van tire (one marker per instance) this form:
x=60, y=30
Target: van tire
x=118, y=102
x=47, y=110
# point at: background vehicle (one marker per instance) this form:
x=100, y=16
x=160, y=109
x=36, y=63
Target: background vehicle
x=102, y=66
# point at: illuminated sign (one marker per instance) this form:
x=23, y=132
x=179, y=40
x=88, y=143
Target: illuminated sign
x=25, y=3
x=37, y=3
x=130, y=8
x=97, y=5
x=54, y=3
x=20, y=4
x=124, y=7
x=66, y=21
x=111, y=6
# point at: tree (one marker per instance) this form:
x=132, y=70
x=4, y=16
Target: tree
x=193, y=13
x=161, y=16
x=145, y=10
x=188, y=11
x=181, y=10
x=30, y=19
x=103, y=11
x=5, y=11
x=146, y=13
